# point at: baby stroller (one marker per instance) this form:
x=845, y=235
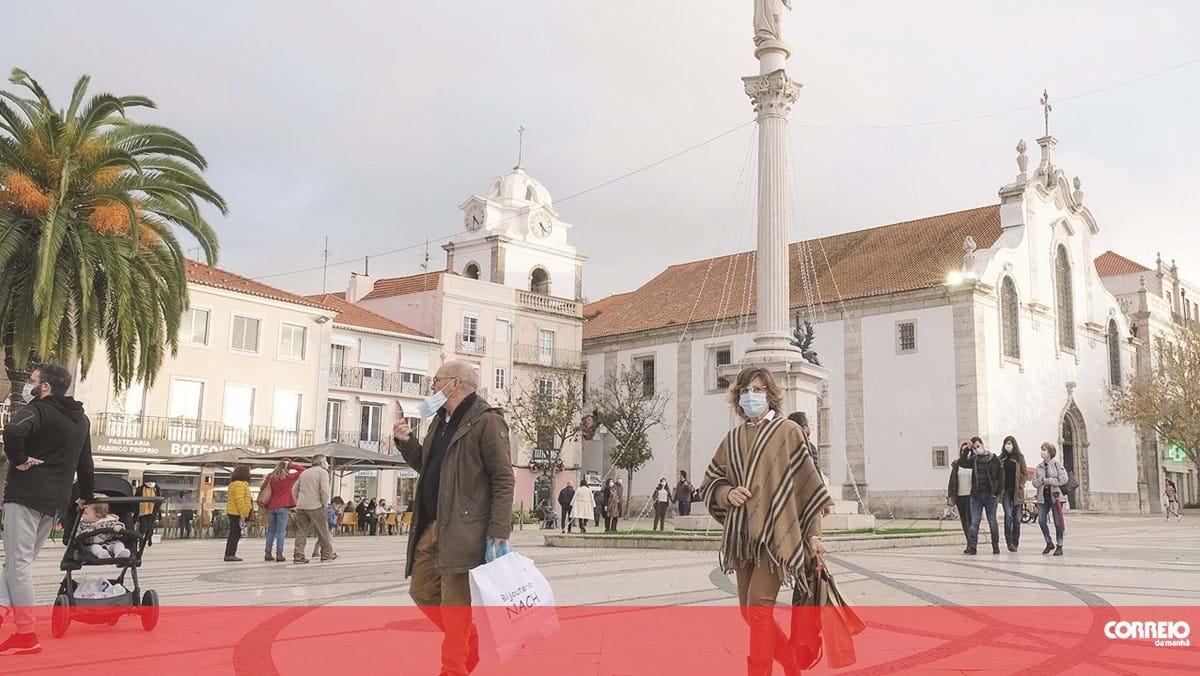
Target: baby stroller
x=118, y=495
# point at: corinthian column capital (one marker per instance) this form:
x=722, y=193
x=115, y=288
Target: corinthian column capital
x=773, y=93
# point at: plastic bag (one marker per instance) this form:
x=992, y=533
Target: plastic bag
x=513, y=606
x=98, y=589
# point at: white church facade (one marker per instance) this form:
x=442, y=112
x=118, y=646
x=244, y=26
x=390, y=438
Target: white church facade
x=507, y=301
x=986, y=322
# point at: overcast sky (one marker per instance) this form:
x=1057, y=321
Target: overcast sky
x=372, y=122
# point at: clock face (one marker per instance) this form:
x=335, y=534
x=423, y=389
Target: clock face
x=473, y=217
x=541, y=224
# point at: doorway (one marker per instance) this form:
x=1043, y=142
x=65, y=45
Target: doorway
x=1073, y=446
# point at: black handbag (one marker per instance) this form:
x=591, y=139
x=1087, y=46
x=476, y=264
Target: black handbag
x=1071, y=485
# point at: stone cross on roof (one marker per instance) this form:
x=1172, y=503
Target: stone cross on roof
x=1046, y=108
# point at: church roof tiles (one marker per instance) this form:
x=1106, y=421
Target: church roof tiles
x=878, y=261
x=1112, y=264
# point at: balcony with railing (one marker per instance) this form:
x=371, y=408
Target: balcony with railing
x=550, y=304
x=376, y=380
x=381, y=443
x=197, y=431
x=524, y=353
x=474, y=344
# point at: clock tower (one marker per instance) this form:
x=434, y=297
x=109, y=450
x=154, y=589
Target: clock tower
x=512, y=235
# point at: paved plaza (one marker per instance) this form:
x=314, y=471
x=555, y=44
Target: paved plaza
x=255, y=617
x=1110, y=560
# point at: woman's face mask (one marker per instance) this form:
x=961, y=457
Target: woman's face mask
x=754, y=404
x=1045, y=455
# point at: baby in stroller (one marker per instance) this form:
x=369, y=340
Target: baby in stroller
x=100, y=532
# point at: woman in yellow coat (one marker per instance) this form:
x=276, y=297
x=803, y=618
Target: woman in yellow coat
x=237, y=507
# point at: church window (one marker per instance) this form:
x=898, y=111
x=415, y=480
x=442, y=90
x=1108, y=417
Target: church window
x=721, y=355
x=1010, y=323
x=471, y=271
x=1065, y=299
x=539, y=281
x=1114, y=354
x=941, y=456
x=906, y=337
x=645, y=366
x=530, y=194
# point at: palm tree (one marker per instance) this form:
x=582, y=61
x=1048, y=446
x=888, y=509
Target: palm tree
x=90, y=204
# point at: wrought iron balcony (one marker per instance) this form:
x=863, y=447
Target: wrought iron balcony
x=197, y=431
x=524, y=353
x=376, y=380
x=475, y=344
x=382, y=444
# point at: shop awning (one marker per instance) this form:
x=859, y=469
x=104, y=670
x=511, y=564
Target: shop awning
x=342, y=457
x=227, y=458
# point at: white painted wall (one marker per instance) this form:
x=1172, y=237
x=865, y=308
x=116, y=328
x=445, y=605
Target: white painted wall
x=1027, y=399
x=908, y=399
x=217, y=365
x=520, y=261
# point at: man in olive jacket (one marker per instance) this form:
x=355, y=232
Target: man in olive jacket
x=464, y=496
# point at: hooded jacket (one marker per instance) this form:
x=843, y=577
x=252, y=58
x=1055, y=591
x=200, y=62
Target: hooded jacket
x=54, y=430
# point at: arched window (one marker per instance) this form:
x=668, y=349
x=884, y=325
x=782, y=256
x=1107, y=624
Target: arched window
x=1114, y=354
x=530, y=194
x=1010, y=323
x=1064, y=297
x=539, y=281
x=471, y=271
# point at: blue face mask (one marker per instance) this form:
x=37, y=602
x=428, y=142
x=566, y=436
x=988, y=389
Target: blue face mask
x=754, y=404
x=432, y=404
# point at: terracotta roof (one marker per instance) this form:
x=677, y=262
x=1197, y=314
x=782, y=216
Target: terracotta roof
x=1111, y=264
x=205, y=275
x=399, y=286
x=884, y=260
x=350, y=314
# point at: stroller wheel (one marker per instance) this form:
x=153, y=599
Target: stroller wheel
x=60, y=619
x=149, y=610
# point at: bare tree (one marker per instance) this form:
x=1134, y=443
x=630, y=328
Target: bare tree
x=547, y=411
x=1166, y=400
x=630, y=407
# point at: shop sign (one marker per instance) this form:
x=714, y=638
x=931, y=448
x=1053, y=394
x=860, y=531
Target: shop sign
x=158, y=448
x=406, y=473
x=367, y=472
x=1175, y=452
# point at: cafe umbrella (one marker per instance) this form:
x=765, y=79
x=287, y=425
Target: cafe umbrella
x=226, y=459
x=343, y=458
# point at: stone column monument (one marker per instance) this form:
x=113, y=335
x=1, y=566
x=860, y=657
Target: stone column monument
x=772, y=93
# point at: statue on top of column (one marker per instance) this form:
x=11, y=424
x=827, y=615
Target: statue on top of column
x=766, y=20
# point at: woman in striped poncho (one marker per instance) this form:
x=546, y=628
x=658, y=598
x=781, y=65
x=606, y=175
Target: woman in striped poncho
x=764, y=488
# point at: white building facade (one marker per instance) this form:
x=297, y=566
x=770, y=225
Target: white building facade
x=507, y=302
x=379, y=372
x=251, y=372
x=926, y=347
x=1159, y=302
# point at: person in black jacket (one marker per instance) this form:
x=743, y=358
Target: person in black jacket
x=48, y=444
x=565, y=496
x=987, y=483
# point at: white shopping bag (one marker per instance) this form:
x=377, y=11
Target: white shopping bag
x=513, y=607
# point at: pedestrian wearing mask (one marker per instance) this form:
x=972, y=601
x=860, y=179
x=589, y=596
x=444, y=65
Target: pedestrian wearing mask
x=1049, y=477
x=662, y=500
x=958, y=492
x=1012, y=461
x=463, y=505
x=764, y=488
x=987, y=483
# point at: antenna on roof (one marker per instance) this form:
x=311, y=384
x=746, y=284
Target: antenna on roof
x=425, y=268
x=194, y=252
x=325, y=264
x=520, y=145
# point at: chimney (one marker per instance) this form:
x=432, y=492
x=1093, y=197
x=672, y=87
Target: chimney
x=360, y=286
